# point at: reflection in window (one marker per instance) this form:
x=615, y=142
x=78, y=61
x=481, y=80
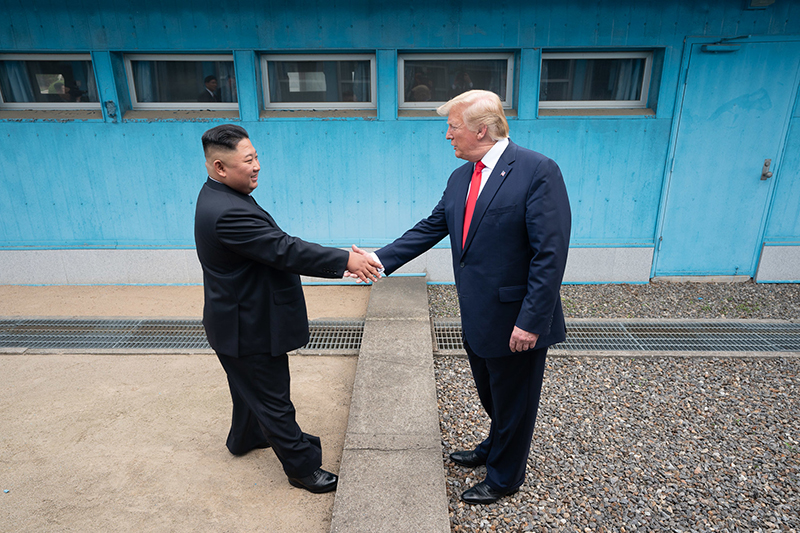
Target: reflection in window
x=175, y=83
x=430, y=80
x=47, y=82
x=594, y=80
x=312, y=82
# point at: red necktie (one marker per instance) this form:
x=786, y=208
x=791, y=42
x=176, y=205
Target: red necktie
x=474, y=187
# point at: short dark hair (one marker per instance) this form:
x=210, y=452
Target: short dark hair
x=209, y=78
x=226, y=137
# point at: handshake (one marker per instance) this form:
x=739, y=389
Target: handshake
x=363, y=266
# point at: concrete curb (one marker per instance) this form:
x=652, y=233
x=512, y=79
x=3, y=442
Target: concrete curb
x=392, y=476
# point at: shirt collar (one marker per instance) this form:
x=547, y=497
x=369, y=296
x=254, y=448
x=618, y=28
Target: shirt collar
x=493, y=155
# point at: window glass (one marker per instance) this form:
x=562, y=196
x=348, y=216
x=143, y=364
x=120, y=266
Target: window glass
x=569, y=80
x=184, y=83
x=305, y=83
x=428, y=81
x=56, y=82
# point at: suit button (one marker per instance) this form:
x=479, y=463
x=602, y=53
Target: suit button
x=462, y=264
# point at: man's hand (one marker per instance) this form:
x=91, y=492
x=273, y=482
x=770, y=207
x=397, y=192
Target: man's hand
x=350, y=274
x=362, y=267
x=521, y=340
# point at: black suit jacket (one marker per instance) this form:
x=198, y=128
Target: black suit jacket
x=206, y=96
x=254, y=301
x=510, y=270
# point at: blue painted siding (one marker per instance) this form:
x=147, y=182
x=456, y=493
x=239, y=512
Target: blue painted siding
x=133, y=183
x=784, y=223
x=110, y=186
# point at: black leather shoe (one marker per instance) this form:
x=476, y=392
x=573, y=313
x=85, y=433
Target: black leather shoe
x=319, y=481
x=482, y=494
x=467, y=458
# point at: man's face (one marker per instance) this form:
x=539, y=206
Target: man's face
x=211, y=85
x=466, y=143
x=241, y=168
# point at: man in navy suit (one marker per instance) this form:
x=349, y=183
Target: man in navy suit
x=508, y=217
x=254, y=310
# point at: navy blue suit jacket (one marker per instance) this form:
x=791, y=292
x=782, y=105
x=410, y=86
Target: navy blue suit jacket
x=254, y=301
x=509, y=272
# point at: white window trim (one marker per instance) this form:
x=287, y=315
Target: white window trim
x=135, y=104
x=602, y=104
x=55, y=106
x=322, y=106
x=401, y=59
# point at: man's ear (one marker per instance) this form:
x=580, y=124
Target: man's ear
x=219, y=167
x=482, y=131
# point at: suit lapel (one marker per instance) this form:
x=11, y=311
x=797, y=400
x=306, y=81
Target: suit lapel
x=496, y=179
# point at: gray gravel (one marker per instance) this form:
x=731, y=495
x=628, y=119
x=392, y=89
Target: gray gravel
x=643, y=444
x=659, y=300
x=625, y=444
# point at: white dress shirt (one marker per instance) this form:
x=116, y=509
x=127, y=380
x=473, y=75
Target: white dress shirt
x=490, y=161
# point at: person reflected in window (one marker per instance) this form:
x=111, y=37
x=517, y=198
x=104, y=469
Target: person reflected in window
x=58, y=92
x=421, y=93
x=209, y=93
x=461, y=84
x=74, y=93
x=421, y=89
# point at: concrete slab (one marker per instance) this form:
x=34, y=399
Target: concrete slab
x=392, y=476
x=137, y=443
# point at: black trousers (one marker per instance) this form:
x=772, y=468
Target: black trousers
x=263, y=413
x=509, y=389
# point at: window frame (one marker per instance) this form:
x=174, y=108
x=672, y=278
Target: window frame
x=510, y=57
x=318, y=106
x=198, y=106
x=52, y=106
x=644, y=95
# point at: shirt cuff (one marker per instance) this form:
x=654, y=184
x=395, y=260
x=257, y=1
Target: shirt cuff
x=375, y=258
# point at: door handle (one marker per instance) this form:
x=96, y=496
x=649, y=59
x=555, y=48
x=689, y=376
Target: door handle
x=765, y=173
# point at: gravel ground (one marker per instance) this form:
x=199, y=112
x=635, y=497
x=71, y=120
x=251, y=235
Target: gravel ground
x=659, y=300
x=625, y=444
x=650, y=444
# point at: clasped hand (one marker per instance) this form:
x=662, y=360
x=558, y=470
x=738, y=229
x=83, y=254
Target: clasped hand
x=362, y=267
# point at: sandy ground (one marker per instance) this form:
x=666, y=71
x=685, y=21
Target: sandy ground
x=323, y=301
x=136, y=443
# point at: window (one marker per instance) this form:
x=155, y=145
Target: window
x=595, y=80
x=160, y=81
x=319, y=82
x=63, y=81
x=429, y=80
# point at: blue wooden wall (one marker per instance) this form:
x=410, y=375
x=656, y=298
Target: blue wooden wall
x=132, y=183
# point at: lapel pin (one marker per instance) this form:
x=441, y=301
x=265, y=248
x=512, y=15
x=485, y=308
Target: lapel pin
x=503, y=173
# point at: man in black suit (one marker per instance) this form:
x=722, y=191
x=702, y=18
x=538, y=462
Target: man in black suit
x=209, y=94
x=508, y=217
x=254, y=309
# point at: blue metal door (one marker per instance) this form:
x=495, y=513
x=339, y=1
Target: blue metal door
x=737, y=101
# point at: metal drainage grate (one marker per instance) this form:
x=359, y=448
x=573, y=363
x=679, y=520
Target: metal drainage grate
x=656, y=336
x=93, y=334
x=335, y=335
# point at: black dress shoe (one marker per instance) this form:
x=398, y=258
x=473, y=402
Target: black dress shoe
x=482, y=494
x=317, y=482
x=467, y=458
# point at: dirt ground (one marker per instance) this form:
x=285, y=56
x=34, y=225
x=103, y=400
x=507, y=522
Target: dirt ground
x=323, y=301
x=136, y=442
